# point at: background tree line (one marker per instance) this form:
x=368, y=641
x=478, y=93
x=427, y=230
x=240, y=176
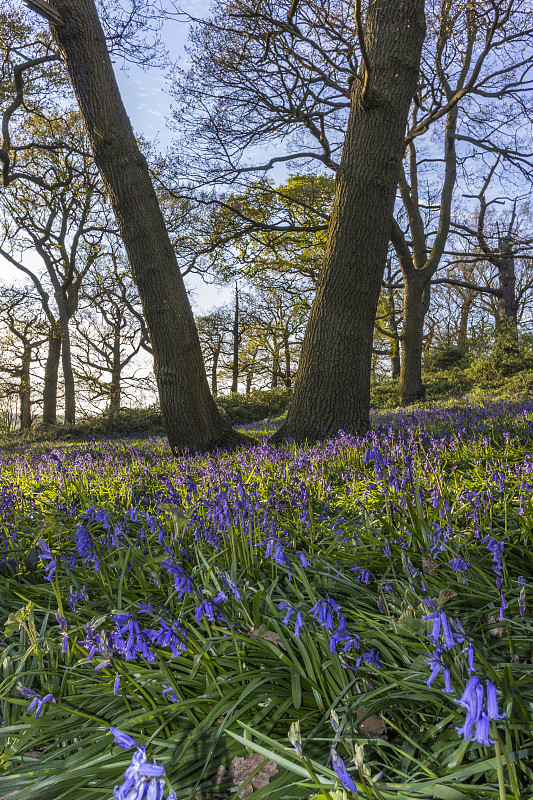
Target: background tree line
x=387, y=252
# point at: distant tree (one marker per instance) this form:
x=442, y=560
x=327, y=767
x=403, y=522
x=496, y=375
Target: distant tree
x=108, y=336
x=23, y=325
x=64, y=227
x=214, y=330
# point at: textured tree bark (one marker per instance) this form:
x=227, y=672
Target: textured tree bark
x=25, y=389
x=51, y=375
x=191, y=417
x=332, y=386
x=507, y=321
x=417, y=296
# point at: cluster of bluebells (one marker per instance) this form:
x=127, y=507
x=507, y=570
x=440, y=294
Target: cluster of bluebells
x=143, y=780
x=36, y=702
x=479, y=697
x=329, y=616
x=481, y=703
x=130, y=640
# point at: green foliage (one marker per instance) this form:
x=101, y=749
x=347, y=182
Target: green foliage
x=127, y=422
x=258, y=405
x=241, y=688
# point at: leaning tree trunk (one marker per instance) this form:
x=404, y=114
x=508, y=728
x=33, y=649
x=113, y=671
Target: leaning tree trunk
x=416, y=305
x=191, y=417
x=50, y=375
x=332, y=386
x=25, y=390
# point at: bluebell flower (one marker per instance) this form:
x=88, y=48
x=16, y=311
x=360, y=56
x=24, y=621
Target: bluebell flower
x=230, y=584
x=289, y=609
x=123, y=739
x=46, y=555
x=492, y=701
x=471, y=665
x=448, y=688
x=206, y=610
x=342, y=773
x=435, y=662
x=440, y=620
x=480, y=700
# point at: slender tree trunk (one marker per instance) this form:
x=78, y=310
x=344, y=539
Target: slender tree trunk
x=51, y=374
x=214, y=368
x=507, y=310
x=332, y=386
x=191, y=417
x=416, y=305
x=249, y=378
x=287, y=352
x=66, y=363
x=25, y=389
x=275, y=369
x=236, y=340
x=462, y=333
x=116, y=375
x=393, y=324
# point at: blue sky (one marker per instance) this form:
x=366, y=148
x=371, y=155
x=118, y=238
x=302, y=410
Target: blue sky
x=145, y=95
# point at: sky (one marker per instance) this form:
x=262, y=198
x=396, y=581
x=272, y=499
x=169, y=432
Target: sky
x=145, y=95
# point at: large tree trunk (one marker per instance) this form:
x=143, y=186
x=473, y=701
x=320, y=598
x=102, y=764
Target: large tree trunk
x=191, y=417
x=50, y=375
x=417, y=294
x=332, y=386
x=25, y=389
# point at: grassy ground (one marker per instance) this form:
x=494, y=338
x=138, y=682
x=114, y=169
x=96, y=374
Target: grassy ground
x=367, y=594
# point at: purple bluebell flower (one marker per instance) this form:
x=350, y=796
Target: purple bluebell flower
x=481, y=703
x=342, y=773
x=471, y=665
x=435, y=662
x=492, y=701
x=46, y=555
x=206, y=610
x=123, y=740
